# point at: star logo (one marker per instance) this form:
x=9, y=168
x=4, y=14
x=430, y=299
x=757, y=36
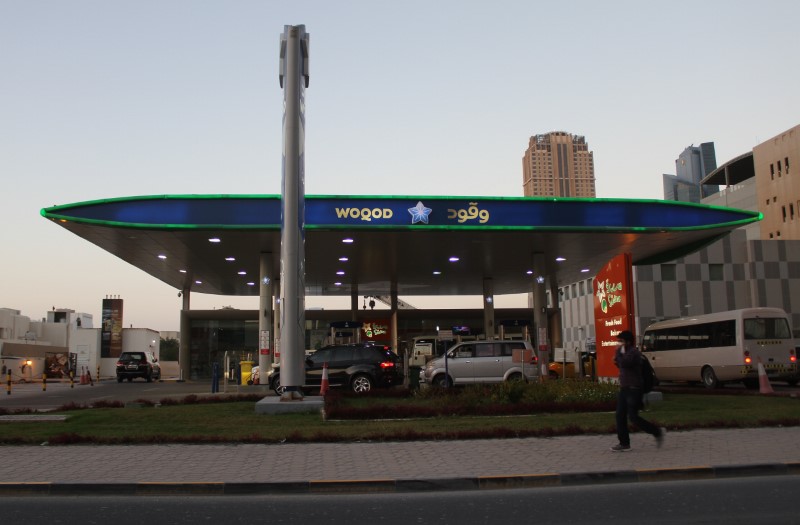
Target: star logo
x=419, y=213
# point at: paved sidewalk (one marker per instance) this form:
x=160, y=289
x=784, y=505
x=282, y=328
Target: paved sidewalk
x=406, y=466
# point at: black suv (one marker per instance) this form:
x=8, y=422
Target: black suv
x=138, y=364
x=357, y=366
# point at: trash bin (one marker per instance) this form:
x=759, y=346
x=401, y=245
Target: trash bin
x=246, y=370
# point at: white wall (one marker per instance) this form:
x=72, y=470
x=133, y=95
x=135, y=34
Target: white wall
x=85, y=342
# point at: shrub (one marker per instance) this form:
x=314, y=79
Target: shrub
x=511, y=398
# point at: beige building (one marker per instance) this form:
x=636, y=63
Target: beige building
x=755, y=265
x=558, y=164
x=777, y=167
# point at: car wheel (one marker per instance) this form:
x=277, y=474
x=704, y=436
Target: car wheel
x=710, y=378
x=361, y=384
x=119, y=379
x=442, y=381
x=148, y=378
x=130, y=379
x=515, y=378
x=275, y=384
x=792, y=381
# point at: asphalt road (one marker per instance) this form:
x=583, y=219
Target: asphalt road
x=33, y=396
x=57, y=394
x=748, y=500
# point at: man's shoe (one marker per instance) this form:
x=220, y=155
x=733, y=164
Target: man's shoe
x=620, y=448
x=660, y=437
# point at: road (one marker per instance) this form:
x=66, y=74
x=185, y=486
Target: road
x=31, y=396
x=750, y=500
x=57, y=394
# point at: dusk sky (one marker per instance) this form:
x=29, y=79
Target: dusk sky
x=115, y=98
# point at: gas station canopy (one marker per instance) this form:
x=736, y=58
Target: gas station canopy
x=370, y=245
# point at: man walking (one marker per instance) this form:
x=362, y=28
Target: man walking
x=628, y=359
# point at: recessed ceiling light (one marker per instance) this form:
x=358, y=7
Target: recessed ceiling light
x=347, y=240
x=162, y=256
x=585, y=270
x=343, y=259
x=437, y=272
x=230, y=259
x=337, y=284
x=453, y=259
x=340, y=272
x=250, y=283
x=214, y=239
x=242, y=272
x=198, y=282
x=182, y=271
x=529, y=272
x=560, y=259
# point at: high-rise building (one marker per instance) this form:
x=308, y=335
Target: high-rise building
x=691, y=167
x=558, y=164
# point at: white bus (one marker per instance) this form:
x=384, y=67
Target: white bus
x=724, y=347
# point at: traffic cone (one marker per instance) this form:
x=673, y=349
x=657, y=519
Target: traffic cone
x=764, y=387
x=323, y=386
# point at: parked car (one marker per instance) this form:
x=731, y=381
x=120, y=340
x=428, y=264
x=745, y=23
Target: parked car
x=138, y=364
x=357, y=366
x=482, y=362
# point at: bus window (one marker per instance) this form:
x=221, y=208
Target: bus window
x=767, y=328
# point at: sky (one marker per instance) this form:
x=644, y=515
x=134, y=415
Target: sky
x=115, y=98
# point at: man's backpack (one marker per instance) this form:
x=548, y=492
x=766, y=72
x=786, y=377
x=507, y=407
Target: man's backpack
x=649, y=380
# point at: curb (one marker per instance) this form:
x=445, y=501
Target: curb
x=145, y=488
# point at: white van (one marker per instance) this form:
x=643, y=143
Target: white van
x=482, y=362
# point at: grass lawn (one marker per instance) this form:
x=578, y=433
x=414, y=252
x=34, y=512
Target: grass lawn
x=237, y=422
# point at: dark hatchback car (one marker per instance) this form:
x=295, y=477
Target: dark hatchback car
x=359, y=367
x=138, y=364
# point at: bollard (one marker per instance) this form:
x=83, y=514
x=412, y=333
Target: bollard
x=72, y=379
x=44, y=382
x=8, y=382
x=98, y=373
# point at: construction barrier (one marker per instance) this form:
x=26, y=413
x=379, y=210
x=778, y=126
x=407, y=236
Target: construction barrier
x=764, y=386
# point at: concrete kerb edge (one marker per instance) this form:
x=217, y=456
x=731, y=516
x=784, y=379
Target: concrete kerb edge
x=391, y=485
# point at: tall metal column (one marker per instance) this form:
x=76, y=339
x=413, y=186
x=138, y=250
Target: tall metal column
x=266, y=347
x=185, y=336
x=540, y=334
x=276, y=322
x=488, y=309
x=393, y=329
x=354, y=302
x=294, y=79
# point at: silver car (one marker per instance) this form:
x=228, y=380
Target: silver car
x=482, y=362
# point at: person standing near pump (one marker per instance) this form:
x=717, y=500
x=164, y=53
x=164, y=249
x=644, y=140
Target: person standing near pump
x=628, y=359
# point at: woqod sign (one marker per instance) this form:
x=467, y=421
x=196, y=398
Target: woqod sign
x=365, y=214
